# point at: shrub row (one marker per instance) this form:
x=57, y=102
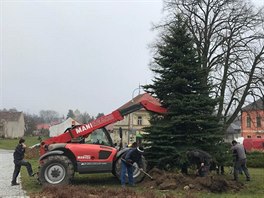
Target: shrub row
x=255, y=159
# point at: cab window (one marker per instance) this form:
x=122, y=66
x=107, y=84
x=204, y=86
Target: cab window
x=98, y=137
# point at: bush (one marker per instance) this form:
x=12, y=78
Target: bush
x=255, y=159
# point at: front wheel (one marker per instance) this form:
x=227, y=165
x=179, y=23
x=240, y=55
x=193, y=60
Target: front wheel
x=137, y=174
x=56, y=170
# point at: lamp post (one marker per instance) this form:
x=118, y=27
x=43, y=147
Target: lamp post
x=131, y=114
x=138, y=88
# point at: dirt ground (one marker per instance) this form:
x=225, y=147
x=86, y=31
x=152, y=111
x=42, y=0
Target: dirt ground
x=172, y=181
x=165, y=182
x=90, y=192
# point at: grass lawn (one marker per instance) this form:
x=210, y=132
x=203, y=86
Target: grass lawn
x=99, y=182
x=10, y=144
x=253, y=189
x=109, y=184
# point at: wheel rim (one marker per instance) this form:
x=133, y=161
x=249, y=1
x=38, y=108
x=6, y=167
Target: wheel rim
x=136, y=171
x=55, y=173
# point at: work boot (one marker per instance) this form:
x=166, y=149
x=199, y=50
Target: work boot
x=14, y=183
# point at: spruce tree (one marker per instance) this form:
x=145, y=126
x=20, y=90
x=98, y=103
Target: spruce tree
x=180, y=84
x=70, y=114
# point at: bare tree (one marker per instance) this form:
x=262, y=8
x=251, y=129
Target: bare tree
x=230, y=43
x=31, y=122
x=84, y=118
x=48, y=116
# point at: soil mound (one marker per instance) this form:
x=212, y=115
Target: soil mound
x=32, y=153
x=172, y=181
x=70, y=191
x=164, y=181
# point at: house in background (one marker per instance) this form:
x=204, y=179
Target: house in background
x=60, y=128
x=252, y=120
x=132, y=125
x=233, y=132
x=12, y=124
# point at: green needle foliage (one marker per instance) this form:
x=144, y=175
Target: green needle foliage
x=181, y=85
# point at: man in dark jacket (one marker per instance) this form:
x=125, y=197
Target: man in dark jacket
x=202, y=160
x=19, y=161
x=133, y=155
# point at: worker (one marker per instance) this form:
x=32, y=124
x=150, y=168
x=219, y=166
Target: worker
x=240, y=160
x=202, y=170
x=201, y=159
x=19, y=161
x=128, y=159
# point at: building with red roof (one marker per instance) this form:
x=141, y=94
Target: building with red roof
x=252, y=116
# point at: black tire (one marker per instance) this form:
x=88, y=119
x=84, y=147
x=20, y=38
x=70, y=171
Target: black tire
x=56, y=170
x=137, y=174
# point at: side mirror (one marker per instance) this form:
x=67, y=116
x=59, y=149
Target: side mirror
x=120, y=135
x=120, y=132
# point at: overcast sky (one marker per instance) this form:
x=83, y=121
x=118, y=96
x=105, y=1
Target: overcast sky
x=88, y=55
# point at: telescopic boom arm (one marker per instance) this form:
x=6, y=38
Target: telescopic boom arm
x=117, y=115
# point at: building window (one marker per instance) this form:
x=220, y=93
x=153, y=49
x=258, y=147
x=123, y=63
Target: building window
x=248, y=122
x=249, y=136
x=258, y=136
x=258, y=121
x=139, y=121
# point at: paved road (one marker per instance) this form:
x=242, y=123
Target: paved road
x=6, y=171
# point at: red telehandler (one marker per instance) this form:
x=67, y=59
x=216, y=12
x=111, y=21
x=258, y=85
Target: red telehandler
x=88, y=148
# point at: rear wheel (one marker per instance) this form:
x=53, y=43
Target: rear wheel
x=137, y=174
x=56, y=170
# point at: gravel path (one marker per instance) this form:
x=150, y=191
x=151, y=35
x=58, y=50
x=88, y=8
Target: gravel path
x=6, y=172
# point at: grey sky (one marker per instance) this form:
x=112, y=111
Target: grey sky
x=86, y=55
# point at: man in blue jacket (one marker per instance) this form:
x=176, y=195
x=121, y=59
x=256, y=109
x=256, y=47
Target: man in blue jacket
x=19, y=161
x=133, y=155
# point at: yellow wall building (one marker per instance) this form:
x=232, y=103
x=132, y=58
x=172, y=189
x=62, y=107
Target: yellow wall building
x=132, y=125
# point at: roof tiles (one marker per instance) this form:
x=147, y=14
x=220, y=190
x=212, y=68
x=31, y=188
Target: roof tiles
x=10, y=116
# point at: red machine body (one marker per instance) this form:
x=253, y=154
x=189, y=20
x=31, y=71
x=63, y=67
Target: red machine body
x=253, y=144
x=63, y=155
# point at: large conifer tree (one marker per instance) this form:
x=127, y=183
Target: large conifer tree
x=180, y=84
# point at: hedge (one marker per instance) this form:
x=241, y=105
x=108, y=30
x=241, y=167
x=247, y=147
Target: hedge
x=255, y=159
